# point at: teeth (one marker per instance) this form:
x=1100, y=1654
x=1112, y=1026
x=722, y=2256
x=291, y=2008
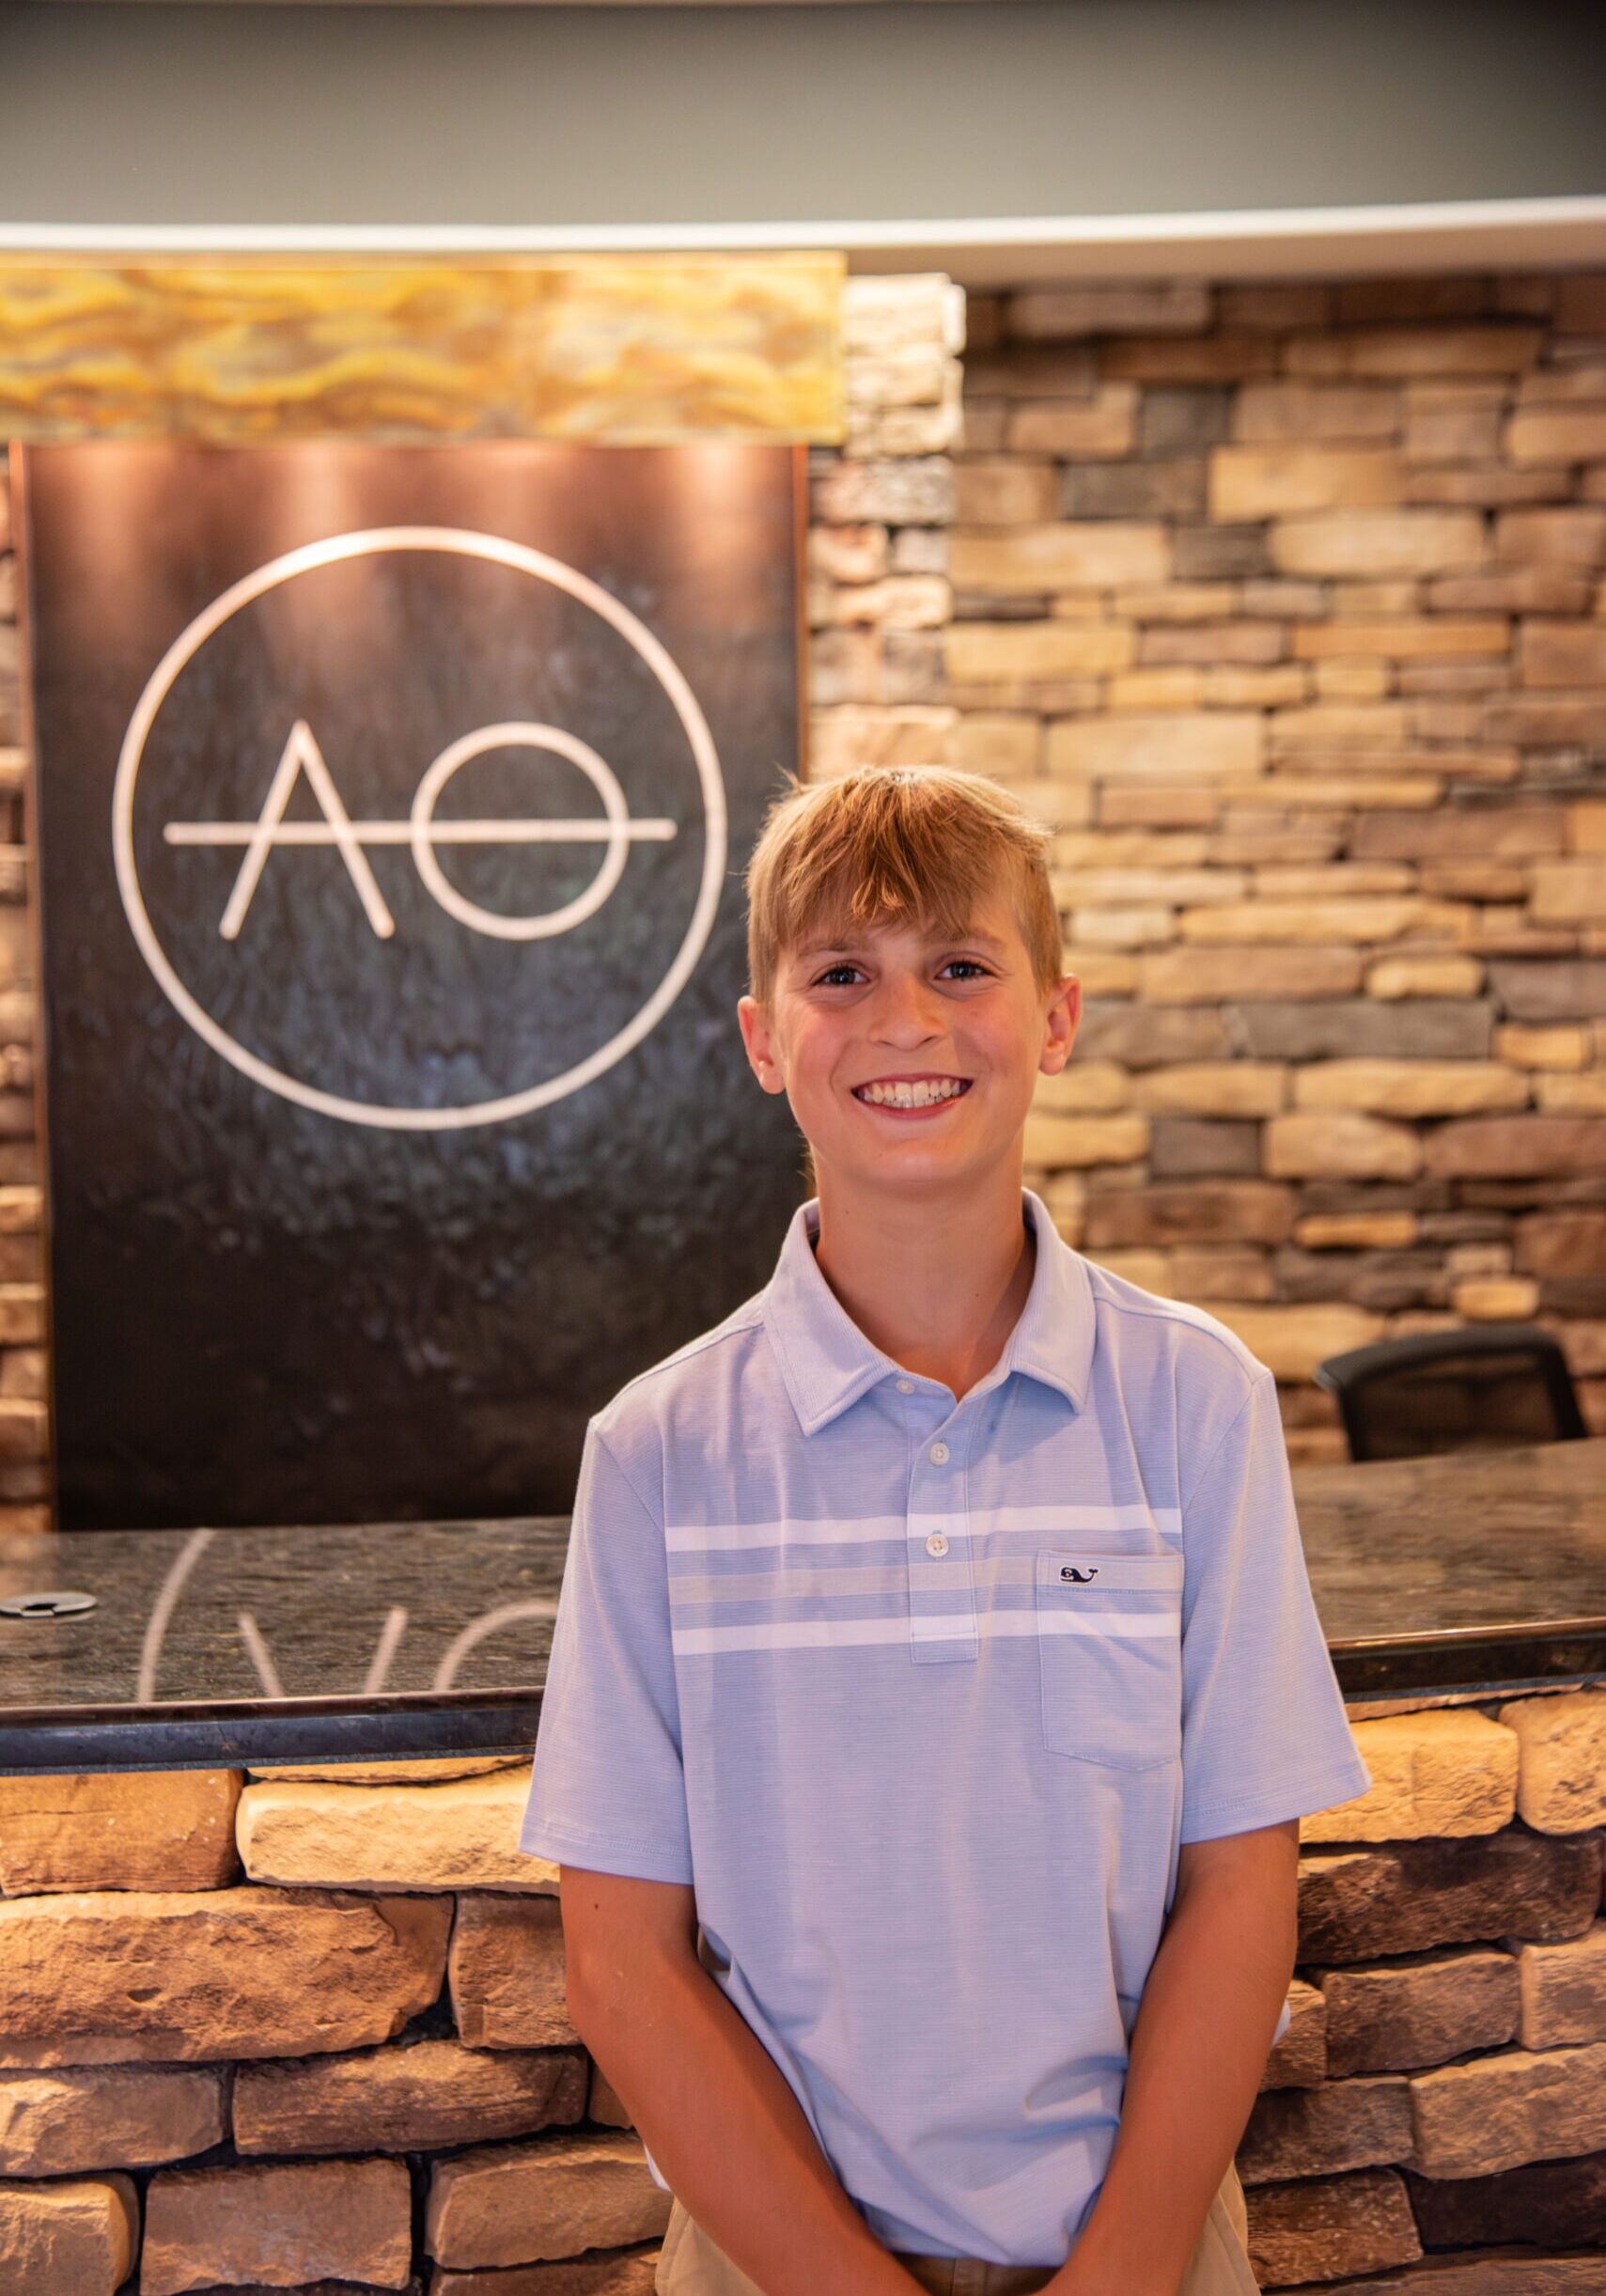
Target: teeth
x=908, y=1095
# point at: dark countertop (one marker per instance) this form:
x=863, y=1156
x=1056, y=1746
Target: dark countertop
x=1481, y=1574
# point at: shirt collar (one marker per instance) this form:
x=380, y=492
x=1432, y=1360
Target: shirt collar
x=828, y=1362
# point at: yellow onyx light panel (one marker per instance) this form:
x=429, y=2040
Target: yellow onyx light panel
x=643, y=351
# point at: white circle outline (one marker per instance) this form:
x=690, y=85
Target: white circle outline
x=519, y=735
x=465, y=542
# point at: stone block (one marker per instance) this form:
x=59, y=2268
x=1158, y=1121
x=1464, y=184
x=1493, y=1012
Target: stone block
x=54, y=2124
x=1358, y=2123
x=1413, y=977
x=1389, y=1231
x=1054, y=1142
x=1513, y=2105
x=1546, y=721
x=1564, y=1046
x=1213, y=1088
x=1564, y=1990
x=1217, y=357
x=1342, y=1144
x=1216, y=1271
x=277, y=2224
x=1362, y=1029
x=1556, y=434
x=1569, y=892
x=1356, y=1904
x=145, y=1830
x=1269, y=481
x=1369, y=543
x=1187, y=1148
x=1108, y=307
x=1365, y=918
x=624, y=2272
x=1207, y=976
x=1269, y=413
x=1516, y=1146
x=1411, y=1087
x=1005, y=490
x=507, y=1973
x=1429, y=637
x=1292, y=1341
x=912, y=492
x=1170, y=488
x=1542, y=2204
x=1559, y=1243
x=459, y=1835
x=109, y=1978
x=1571, y=990
x=1299, y=2060
x=914, y=733
x=1223, y=746
x=992, y=653
x=73, y=2239
x=1220, y=1211
x=1058, y=555
x=1443, y=1771
x=1562, y=653
x=1562, y=1783
x=1101, y=425
x=1407, y=351
x=1572, y=539
x=517, y=2204
x=1520, y=832
x=1183, y=421
x=1320, y=2227
x=1420, y=2010
x=1156, y=1035
x=1251, y=643
x=409, y=2097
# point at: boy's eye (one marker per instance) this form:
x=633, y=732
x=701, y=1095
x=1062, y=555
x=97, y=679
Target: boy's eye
x=846, y=967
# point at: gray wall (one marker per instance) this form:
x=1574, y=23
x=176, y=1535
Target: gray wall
x=561, y=117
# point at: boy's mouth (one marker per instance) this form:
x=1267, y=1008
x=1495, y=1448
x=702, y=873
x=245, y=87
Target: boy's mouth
x=925, y=1098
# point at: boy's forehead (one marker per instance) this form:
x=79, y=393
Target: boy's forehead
x=984, y=925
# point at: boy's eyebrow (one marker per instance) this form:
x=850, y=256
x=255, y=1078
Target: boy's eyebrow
x=823, y=949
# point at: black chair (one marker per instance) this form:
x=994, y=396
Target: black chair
x=1485, y=1387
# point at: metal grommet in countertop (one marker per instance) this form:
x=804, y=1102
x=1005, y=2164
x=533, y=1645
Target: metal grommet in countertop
x=60, y=1604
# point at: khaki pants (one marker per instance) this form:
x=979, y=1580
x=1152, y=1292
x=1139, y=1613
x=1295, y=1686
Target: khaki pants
x=690, y=2265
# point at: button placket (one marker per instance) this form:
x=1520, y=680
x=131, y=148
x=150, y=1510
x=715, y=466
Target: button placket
x=939, y=1627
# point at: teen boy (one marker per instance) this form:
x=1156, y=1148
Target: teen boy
x=936, y=1685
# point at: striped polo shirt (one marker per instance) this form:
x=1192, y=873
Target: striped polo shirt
x=922, y=1697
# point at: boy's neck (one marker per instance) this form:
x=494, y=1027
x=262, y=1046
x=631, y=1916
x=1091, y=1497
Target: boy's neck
x=938, y=1292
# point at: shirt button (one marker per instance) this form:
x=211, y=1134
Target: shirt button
x=906, y=1386
x=938, y=1453
x=936, y=1544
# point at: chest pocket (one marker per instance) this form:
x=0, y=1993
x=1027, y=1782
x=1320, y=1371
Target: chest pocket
x=1110, y=1650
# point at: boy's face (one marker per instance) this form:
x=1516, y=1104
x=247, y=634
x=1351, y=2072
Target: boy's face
x=891, y=1004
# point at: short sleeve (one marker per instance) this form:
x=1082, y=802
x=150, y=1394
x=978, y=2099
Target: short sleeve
x=1265, y=1735
x=607, y=1788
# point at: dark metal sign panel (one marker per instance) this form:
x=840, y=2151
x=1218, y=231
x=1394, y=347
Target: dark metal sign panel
x=392, y=810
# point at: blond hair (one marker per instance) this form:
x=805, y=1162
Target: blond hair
x=895, y=843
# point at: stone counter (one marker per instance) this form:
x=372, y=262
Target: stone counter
x=306, y=2029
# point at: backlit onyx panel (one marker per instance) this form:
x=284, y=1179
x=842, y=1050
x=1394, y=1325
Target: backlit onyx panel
x=393, y=809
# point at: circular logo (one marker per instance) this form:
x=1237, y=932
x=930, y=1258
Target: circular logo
x=304, y=773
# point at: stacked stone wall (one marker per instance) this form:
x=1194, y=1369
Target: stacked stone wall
x=1283, y=603
x=309, y=2029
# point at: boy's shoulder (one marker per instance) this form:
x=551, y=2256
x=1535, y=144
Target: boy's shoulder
x=1139, y=1321
x=638, y=1419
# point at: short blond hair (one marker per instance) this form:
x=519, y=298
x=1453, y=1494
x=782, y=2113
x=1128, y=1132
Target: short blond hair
x=896, y=844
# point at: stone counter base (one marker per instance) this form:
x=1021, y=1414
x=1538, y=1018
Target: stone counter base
x=310, y=2034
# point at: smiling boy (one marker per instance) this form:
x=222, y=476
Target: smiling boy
x=936, y=1685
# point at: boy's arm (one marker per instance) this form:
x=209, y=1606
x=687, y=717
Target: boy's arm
x=709, y=2101
x=1198, y=2049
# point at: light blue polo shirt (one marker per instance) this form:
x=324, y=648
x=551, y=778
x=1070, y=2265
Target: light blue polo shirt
x=923, y=1697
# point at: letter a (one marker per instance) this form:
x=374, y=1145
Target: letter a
x=303, y=755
